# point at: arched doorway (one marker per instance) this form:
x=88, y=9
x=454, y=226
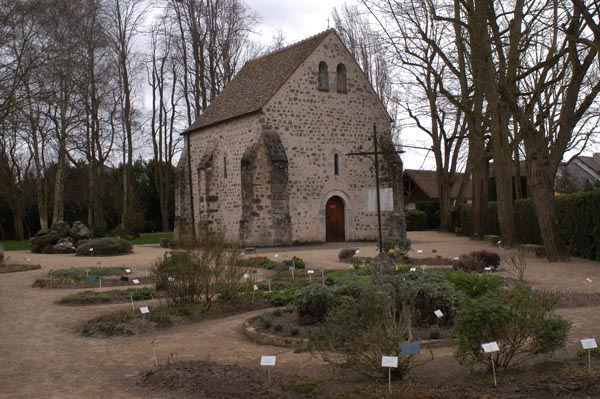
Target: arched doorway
x=334, y=220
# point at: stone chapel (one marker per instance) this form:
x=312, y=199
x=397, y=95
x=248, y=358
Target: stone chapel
x=267, y=163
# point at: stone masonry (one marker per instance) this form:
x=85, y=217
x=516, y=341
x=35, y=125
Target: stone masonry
x=265, y=163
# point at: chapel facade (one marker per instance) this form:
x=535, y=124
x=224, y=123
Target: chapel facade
x=267, y=163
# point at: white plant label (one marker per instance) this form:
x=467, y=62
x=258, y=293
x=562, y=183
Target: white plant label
x=589, y=343
x=171, y=279
x=413, y=269
x=135, y=281
x=268, y=360
x=589, y=280
x=357, y=252
x=255, y=287
x=310, y=271
x=419, y=251
x=277, y=255
x=144, y=309
x=389, y=361
x=246, y=276
x=127, y=271
x=439, y=314
x=487, y=268
x=456, y=258
x=490, y=347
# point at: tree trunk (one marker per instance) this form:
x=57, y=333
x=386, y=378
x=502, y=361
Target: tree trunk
x=17, y=213
x=58, y=210
x=444, y=190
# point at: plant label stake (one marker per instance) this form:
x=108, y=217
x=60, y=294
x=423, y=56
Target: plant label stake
x=269, y=282
x=132, y=307
x=390, y=362
x=268, y=361
x=153, y=300
x=254, y=291
x=292, y=268
x=491, y=348
x=323, y=275
x=439, y=314
x=154, y=352
x=589, y=344
x=310, y=273
x=100, y=279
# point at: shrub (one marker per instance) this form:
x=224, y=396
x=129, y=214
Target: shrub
x=346, y=253
x=281, y=297
x=197, y=276
x=294, y=331
x=278, y=327
x=521, y=321
x=469, y=264
x=267, y=263
x=425, y=293
x=160, y=317
x=416, y=221
x=265, y=321
x=488, y=258
x=313, y=302
x=357, y=332
x=298, y=263
x=434, y=333
x=105, y=246
x=398, y=246
x=475, y=285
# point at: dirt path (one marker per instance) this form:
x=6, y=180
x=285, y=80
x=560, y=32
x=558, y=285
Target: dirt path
x=42, y=356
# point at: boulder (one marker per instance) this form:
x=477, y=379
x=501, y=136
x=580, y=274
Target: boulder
x=48, y=249
x=66, y=242
x=61, y=228
x=39, y=243
x=79, y=231
x=64, y=248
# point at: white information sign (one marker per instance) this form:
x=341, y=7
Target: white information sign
x=310, y=271
x=413, y=269
x=456, y=258
x=490, y=347
x=246, y=276
x=268, y=360
x=589, y=280
x=144, y=309
x=487, y=268
x=357, y=252
x=127, y=271
x=386, y=199
x=439, y=314
x=389, y=361
x=589, y=343
x=419, y=251
x=255, y=287
x=135, y=281
x=277, y=255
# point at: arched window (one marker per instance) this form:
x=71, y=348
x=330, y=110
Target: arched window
x=336, y=164
x=341, y=78
x=225, y=167
x=323, y=76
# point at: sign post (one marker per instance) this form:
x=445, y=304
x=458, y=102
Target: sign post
x=491, y=348
x=390, y=362
x=310, y=273
x=268, y=361
x=589, y=344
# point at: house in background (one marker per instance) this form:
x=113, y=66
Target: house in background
x=577, y=171
x=421, y=186
x=266, y=163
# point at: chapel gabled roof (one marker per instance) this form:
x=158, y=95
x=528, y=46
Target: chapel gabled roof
x=255, y=84
x=427, y=181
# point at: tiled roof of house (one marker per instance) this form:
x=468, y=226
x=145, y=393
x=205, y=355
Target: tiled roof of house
x=590, y=162
x=257, y=82
x=426, y=180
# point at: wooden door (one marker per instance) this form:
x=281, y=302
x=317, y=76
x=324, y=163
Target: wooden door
x=334, y=211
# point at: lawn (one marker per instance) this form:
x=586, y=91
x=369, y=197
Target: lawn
x=144, y=238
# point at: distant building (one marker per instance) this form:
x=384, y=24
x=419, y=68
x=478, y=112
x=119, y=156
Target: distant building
x=266, y=163
x=421, y=186
x=578, y=170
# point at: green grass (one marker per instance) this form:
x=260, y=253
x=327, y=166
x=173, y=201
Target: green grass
x=12, y=245
x=79, y=273
x=152, y=238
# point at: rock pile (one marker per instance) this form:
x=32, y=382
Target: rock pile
x=61, y=238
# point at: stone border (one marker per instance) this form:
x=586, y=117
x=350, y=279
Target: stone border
x=291, y=342
x=270, y=339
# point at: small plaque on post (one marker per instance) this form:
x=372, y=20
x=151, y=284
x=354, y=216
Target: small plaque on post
x=589, y=343
x=490, y=347
x=127, y=271
x=310, y=271
x=255, y=287
x=439, y=314
x=135, y=281
x=144, y=309
x=410, y=348
x=268, y=360
x=389, y=361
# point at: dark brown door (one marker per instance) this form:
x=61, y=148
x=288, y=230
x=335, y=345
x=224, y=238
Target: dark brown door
x=334, y=211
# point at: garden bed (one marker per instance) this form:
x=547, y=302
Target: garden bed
x=18, y=268
x=106, y=297
x=132, y=322
x=89, y=277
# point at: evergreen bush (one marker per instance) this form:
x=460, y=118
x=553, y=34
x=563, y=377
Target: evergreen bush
x=105, y=246
x=416, y=221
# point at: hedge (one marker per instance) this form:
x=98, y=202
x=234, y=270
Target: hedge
x=432, y=209
x=416, y=221
x=578, y=219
